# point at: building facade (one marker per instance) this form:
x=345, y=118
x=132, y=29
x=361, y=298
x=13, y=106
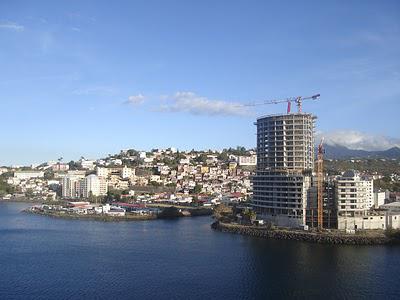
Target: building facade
x=285, y=161
x=78, y=186
x=355, y=195
x=247, y=160
x=24, y=175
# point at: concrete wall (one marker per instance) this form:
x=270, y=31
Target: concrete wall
x=370, y=222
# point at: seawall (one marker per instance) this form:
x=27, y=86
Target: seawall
x=305, y=236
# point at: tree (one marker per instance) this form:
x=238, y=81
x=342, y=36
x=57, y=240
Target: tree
x=201, y=158
x=197, y=189
x=73, y=165
x=91, y=197
x=223, y=156
x=29, y=193
x=5, y=188
x=49, y=174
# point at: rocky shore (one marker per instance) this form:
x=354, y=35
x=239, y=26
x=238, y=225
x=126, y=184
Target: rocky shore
x=376, y=238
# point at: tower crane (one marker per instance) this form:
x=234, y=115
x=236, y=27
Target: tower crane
x=320, y=183
x=297, y=100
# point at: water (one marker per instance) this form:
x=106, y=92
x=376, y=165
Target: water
x=47, y=258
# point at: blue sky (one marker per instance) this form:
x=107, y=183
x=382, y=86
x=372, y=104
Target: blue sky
x=93, y=77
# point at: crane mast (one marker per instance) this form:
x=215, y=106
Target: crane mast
x=320, y=183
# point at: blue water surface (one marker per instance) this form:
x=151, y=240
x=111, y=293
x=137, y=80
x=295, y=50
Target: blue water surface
x=49, y=258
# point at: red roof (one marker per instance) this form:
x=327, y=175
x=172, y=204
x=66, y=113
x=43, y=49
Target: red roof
x=237, y=194
x=134, y=205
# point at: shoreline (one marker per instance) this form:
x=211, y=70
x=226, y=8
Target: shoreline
x=102, y=218
x=21, y=200
x=167, y=213
x=306, y=236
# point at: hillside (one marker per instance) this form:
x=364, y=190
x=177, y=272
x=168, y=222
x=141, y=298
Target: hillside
x=342, y=152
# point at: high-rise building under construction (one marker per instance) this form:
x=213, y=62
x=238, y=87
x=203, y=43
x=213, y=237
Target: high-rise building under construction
x=285, y=162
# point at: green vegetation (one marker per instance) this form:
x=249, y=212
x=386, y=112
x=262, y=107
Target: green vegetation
x=73, y=165
x=201, y=159
x=5, y=188
x=29, y=193
x=386, y=183
x=197, y=189
x=49, y=174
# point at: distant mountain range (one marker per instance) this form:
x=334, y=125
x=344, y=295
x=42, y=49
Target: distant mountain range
x=342, y=152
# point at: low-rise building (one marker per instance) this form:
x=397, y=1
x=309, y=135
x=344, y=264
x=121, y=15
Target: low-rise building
x=23, y=175
x=247, y=160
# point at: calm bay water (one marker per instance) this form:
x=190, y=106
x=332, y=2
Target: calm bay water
x=47, y=258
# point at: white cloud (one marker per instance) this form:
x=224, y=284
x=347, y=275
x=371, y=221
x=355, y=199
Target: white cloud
x=12, y=26
x=357, y=140
x=76, y=29
x=97, y=90
x=135, y=99
x=197, y=105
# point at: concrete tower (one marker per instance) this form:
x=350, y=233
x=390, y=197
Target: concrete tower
x=285, y=161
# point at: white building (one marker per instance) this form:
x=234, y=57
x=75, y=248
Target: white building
x=94, y=185
x=127, y=172
x=184, y=161
x=23, y=175
x=87, y=164
x=102, y=172
x=247, y=160
x=378, y=221
x=71, y=186
x=379, y=199
x=60, y=167
x=355, y=201
x=354, y=194
x=79, y=186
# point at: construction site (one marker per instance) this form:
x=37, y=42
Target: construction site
x=290, y=187
x=288, y=190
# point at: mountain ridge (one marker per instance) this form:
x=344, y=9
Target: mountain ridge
x=336, y=151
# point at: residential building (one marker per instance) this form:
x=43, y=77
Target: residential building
x=24, y=175
x=127, y=172
x=354, y=194
x=87, y=164
x=78, y=186
x=94, y=185
x=247, y=160
x=71, y=186
x=379, y=199
x=60, y=167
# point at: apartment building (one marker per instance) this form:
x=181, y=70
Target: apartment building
x=247, y=160
x=354, y=194
x=77, y=186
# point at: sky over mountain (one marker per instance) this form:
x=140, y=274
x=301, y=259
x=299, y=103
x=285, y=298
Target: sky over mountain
x=92, y=77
